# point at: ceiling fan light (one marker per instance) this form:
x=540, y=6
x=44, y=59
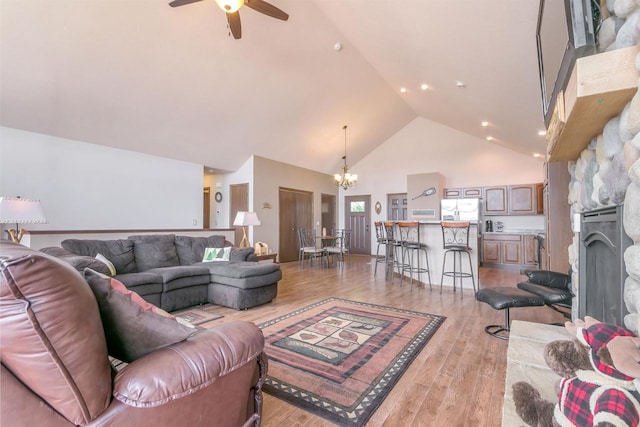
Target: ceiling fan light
x=230, y=6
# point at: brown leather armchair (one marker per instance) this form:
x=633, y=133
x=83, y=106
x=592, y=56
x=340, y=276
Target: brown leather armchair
x=55, y=369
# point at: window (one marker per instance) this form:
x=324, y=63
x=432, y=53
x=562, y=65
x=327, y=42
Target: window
x=356, y=207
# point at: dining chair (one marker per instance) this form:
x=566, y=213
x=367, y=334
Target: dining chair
x=309, y=247
x=340, y=246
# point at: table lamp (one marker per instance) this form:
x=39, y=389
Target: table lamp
x=245, y=219
x=20, y=211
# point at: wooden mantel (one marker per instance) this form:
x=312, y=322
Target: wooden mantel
x=599, y=88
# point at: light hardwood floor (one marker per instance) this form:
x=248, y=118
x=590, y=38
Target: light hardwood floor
x=457, y=380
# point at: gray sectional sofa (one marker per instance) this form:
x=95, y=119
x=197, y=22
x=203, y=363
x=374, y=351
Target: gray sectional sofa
x=167, y=270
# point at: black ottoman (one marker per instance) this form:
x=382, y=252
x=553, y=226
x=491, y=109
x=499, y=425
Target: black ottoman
x=503, y=299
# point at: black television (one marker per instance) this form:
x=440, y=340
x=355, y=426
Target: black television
x=566, y=30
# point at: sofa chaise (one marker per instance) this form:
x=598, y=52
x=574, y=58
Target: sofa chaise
x=168, y=270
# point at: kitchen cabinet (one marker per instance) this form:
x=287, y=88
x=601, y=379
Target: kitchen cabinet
x=530, y=250
x=462, y=193
x=452, y=193
x=525, y=199
x=557, y=217
x=499, y=248
x=471, y=192
x=495, y=200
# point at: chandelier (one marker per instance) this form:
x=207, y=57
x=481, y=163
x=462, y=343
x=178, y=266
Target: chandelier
x=345, y=180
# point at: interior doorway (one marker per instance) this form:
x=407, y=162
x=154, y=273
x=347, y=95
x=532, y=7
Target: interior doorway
x=357, y=219
x=328, y=214
x=296, y=211
x=238, y=201
x=206, y=208
x=397, y=207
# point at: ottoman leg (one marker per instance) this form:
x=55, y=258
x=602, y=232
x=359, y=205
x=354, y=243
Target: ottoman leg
x=494, y=330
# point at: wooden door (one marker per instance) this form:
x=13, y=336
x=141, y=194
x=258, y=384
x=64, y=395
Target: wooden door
x=238, y=201
x=206, y=208
x=397, y=207
x=357, y=219
x=495, y=200
x=296, y=211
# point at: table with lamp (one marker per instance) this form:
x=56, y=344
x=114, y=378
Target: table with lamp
x=16, y=210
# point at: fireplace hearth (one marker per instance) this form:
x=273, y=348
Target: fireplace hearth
x=602, y=268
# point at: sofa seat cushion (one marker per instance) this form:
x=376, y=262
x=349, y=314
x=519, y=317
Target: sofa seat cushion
x=191, y=249
x=182, y=276
x=119, y=252
x=244, y=275
x=142, y=283
x=154, y=251
x=51, y=330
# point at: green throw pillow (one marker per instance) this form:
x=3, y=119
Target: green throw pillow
x=216, y=254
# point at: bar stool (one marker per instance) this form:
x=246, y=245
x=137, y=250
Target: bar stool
x=455, y=239
x=393, y=255
x=412, y=249
x=382, y=241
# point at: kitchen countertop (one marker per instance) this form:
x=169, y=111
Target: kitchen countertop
x=517, y=231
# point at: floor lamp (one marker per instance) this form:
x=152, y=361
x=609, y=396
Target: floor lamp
x=20, y=211
x=245, y=219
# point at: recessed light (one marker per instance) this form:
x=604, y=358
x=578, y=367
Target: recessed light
x=460, y=84
x=424, y=86
x=489, y=138
x=485, y=124
x=542, y=132
x=537, y=155
x=403, y=89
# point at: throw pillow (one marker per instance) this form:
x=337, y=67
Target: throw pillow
x=217, y=254
x=103, y=259
x=133, y=327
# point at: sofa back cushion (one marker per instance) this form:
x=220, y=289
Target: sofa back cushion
x=154, y=251
x=191, y=249
x=119, y=252
x=52, y=336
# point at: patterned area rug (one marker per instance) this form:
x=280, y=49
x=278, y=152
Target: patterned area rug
x=199, y=315
x=339, y=359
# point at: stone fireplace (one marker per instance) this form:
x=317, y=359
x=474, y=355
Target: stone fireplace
x=607, y=176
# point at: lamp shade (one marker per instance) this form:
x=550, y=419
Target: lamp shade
x=21, y=211
x=246, y=218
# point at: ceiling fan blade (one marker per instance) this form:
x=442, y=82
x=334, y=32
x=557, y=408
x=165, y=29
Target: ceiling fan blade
x=266, y=8
x=234, y=24
x=176, y=3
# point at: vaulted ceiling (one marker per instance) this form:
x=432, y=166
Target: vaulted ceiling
x=140, y=75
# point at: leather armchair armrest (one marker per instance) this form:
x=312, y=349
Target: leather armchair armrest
x=188, y=366
x=551, y=279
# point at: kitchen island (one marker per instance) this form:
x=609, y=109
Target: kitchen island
x=431, y=235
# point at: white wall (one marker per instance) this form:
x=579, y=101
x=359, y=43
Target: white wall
x=91, y=187
x=270, y=176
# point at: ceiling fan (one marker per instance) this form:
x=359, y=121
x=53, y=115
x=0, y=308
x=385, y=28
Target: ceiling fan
x=231, y=7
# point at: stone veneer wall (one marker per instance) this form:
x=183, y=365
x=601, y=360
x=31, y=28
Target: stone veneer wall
x=608, y=171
